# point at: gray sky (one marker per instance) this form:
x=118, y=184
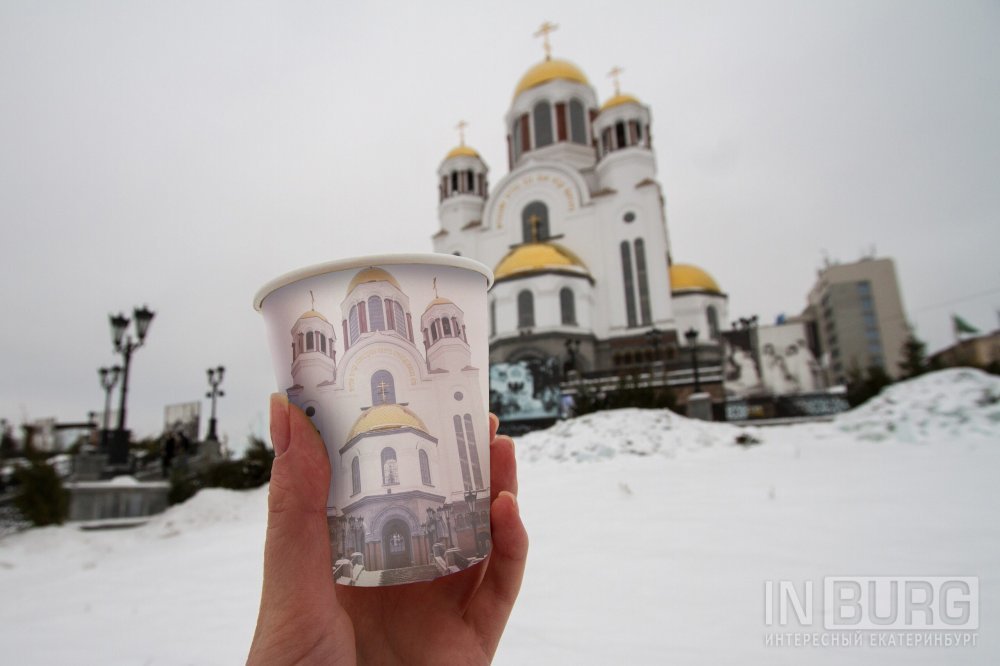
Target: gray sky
x=181, y=154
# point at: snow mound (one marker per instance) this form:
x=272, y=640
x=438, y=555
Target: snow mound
x=942, y=405
x=640, y=432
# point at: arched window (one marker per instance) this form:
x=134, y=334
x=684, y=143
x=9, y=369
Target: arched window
x=383, y=388
x=640, y=270
x=470, y=438
x=355, y=476
x=322, y=342
x=535, y=222
x=463, y=454
x=446, y=327
x=390, y=468
x=355, y=327
x=525, y=310
x=302, y=346
x=516, y=138
x=376, y=317
x=567, y=306
x=309, y=341
x=399, y=318
x=629, y=284
x=543, y=124
x=425, y=468
x=578, y=130
x=434, y=332
x=620, y=138
x=713, y=322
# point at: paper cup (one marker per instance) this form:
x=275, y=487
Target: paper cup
x=388, y=356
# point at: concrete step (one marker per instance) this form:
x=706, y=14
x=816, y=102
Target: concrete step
x=408, y=574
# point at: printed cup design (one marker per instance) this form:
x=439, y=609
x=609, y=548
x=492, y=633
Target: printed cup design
x=388, y=357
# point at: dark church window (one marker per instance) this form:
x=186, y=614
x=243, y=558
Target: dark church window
x=322, y=343
x=713, y=322
x=629, y=284
x=383, y=388
x=446, y=326
x=302, y=347
x=355, y=326
x=535, y=222
x=376, y=317
x=309, y=341
x=640, y=269
x=390, y=468
x=425, y=468
x=620, y=135
x=525, y=310
x=543, y=124
x=567, y=306
x=577, y=127
x=356, y=476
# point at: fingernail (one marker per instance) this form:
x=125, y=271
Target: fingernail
x=279, y=410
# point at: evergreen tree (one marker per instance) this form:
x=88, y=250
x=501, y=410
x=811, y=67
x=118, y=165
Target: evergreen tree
x=914, y=361
x=861, y=387
x=42, y=500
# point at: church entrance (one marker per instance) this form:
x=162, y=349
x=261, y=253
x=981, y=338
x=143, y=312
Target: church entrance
x=396, y=547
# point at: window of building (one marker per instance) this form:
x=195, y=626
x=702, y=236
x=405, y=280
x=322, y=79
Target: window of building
x=434, y=331
x=515, y=140
x=425, y=468
x=383, y=388
x=864, y=288
x=525, y=310
x=543, y=124
x=560, y=121
x=302, y=345
x=535, y=222
x=454, y=182
x=353, y=319
x=640, y=270
x=713, y=322
x=463, y=455
x=309, y=341
x=567, y=306
x=355, y=476
x=470, y=438
x=620, y=138
x=629, y=285
x=376, y=316
x=322, y=343
x=446, y=327
x=390, y=468
x=493, y=318
x=399, y=318
x=578, y=130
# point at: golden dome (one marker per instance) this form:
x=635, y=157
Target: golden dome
x=386, y=417
x=548, y=70
x=535, y=257
x=313, y=313
x=461, y=151
x=618, y=100
x=372, y=274
x=685, y=277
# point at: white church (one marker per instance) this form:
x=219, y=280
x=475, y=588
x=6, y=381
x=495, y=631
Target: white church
x=410, y=474
x=576, y=234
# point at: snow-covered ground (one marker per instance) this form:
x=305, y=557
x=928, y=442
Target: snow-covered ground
x=652, y=539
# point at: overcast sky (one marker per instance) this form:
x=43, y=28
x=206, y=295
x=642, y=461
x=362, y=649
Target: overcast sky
x=181, y=154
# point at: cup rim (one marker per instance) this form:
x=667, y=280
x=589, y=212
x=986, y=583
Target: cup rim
x=338, y=265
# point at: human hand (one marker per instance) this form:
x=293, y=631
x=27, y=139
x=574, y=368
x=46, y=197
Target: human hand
x=307, y=618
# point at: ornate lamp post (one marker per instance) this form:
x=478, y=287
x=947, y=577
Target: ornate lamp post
x=470, y=501
x=109, y=377
x=214, y=380
x=447, y=521
x=125, y=345
x=691, y=335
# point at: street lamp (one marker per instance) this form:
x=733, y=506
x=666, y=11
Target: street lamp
x=125, y=345
x=214, y=380
x=691, y=335
x=470, y=501
x=109, y=377
x=447, y=521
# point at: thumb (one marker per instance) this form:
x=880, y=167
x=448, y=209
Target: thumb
x=297, y=547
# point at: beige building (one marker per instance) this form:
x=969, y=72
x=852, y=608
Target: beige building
x=980, y=351
x=859, y=319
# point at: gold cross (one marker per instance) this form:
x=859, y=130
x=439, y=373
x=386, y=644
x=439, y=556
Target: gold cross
x=544, y=31
x=461, y=131
x=614, y=74
x=381, y=389
x=534, y=221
